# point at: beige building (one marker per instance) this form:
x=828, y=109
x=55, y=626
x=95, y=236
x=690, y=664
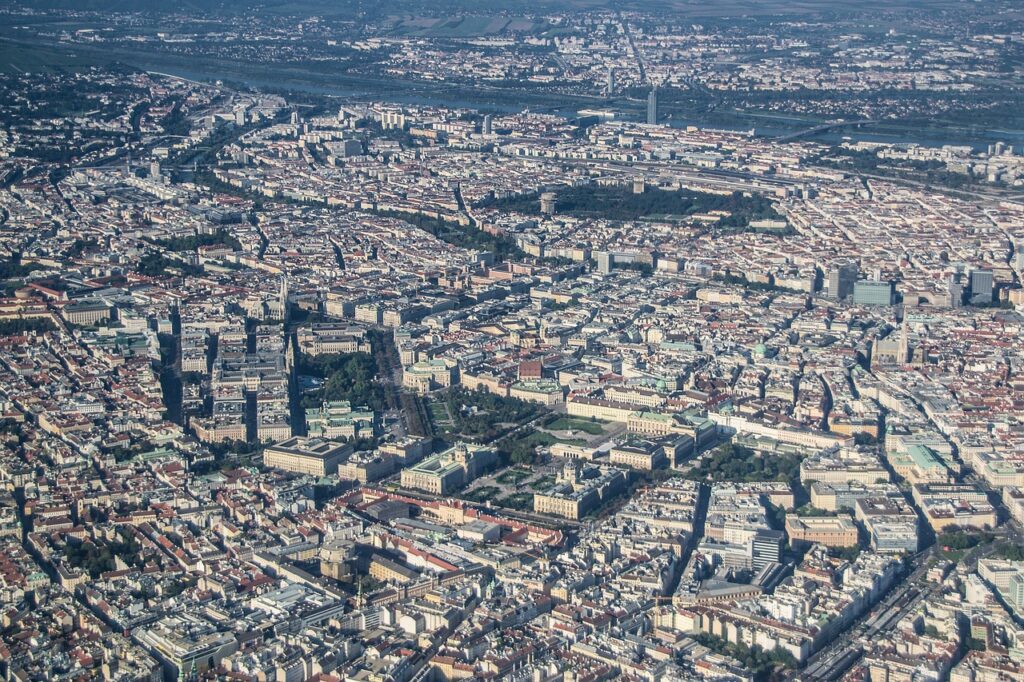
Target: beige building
x=1013, y=498
x=86, y=313
x=408, y=450
x=578, y=490
x=842, y=466
x=831, y=531
x=634, y=395
x=639, y=454
x=920, y=464
x=544, y=392
x=428, y=375
x=598, y=408
x=272, y=427
x=312, y=456
x=964, y=506
x=449, y=470
x=701, y=429
x=366, y=467
x=486, y=382
x=390, y=571
x=329, y=338
x=218, y=429
x=569, y=451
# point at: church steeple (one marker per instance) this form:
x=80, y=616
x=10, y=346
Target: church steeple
x=283, y=297
x=904, y=341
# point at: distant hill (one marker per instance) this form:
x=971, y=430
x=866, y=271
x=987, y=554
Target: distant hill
x=695, y=8
x=220, y=7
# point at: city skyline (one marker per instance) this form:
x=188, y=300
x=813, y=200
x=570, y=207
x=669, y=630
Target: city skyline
x=347, y=342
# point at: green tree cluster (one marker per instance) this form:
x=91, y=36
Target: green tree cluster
x=522, y=449
x=736, y=463
x=347, y=376
x=233, y=447
x=96, y=559
x=1010, y=551
x=845, y=553
x=464, y=236
x=155, y=264
x=193, y=242
x=10, y=269
x=27, y=325
x=479, y=414
x=957, y=539
x=761, y=663
x=620, y=203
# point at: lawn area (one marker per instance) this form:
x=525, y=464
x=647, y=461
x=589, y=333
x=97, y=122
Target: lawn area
x=541, y=483
x=518, y=501
x=482, y=494
x=954, y=555
x=439, y=414
x=572, y=424
x=513, y=476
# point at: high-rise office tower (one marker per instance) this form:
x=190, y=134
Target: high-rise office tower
x=981, y=286
x=548, y=203
x=766, y=547
x=841, y=279
x=488, y=126
x=611, y=81
x=652, y=106
x=870, y=292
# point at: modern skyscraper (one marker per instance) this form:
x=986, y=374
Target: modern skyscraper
x=956, y=292
x=841, y=279
x=488, y=126
x=766, y=547
x=611, y=81
x=652, y=106
x=1015, y=591
x=870, y=292
x=548, y=202
x=981, y=286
